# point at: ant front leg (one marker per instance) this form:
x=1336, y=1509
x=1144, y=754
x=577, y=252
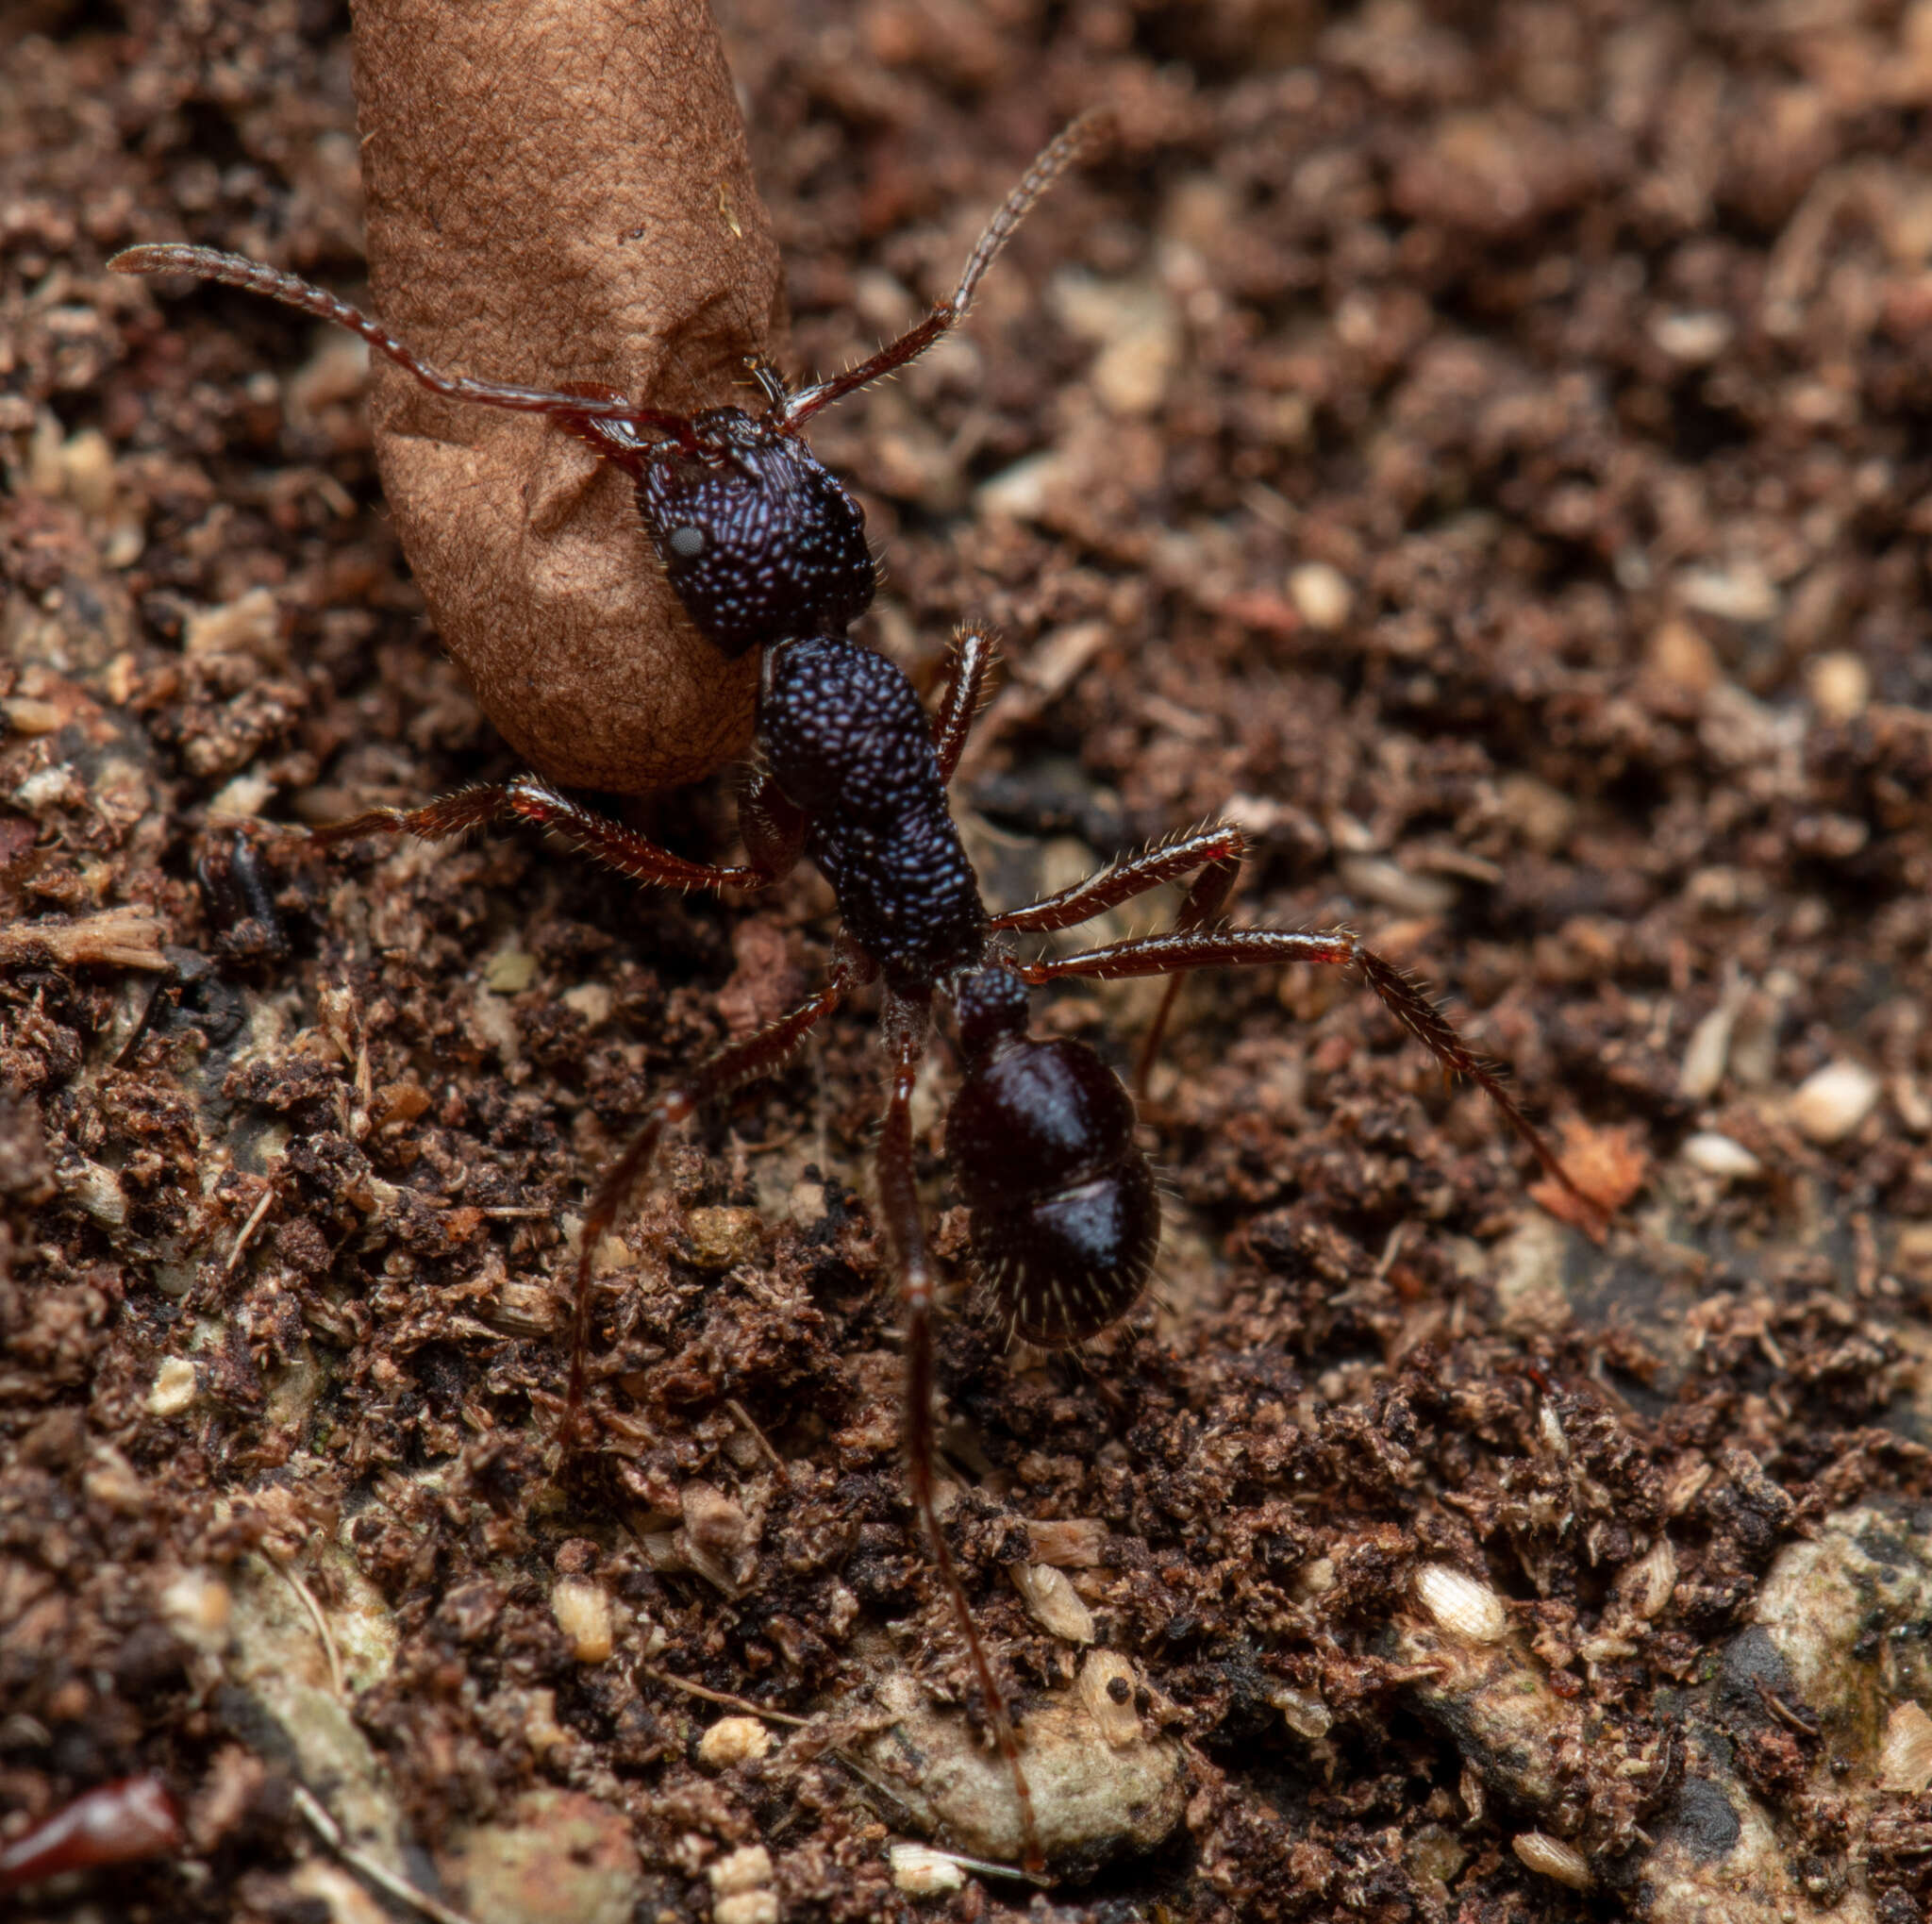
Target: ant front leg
x=1159, y=955
x=761, y=1054
x=528, y=800
x=908, y=1024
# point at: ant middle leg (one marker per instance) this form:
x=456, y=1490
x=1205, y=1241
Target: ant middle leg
x=1157, y=955
x=770, y=839
x=760, y=1054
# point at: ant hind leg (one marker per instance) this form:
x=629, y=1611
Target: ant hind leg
x=1159, y=954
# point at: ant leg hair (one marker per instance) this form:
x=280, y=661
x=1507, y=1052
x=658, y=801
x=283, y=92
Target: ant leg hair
x=624, y=849
x=528, y=800
x=970, y=660
x=908, y=1023
x=737, y=1062
x=1216, y=849
x=1157, y=955
x=1073, y=145
x=253, y=277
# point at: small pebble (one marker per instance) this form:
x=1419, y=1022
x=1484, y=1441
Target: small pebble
x=747, y=1868
x=1741, y=593
x=582, y=1610
x=1716, y=1155
x=197, y=1608
x=1695, y=339
x=1303, y=1712
x=1679, y=657
x=1830, y=1104
x=732, y=1741
x=509, y=971
x=740, y=1881
x=174, y=1389
x=113, y=1480
x=1840, y=685
x=747, y=1907
x=1321, y=595
x=591, y=1000
x=721, y=1238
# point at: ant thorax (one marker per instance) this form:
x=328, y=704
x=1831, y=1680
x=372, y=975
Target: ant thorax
x=756, y=536
x=848, y=742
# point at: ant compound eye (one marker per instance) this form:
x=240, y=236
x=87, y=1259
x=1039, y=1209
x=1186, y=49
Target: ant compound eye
x=756, y=537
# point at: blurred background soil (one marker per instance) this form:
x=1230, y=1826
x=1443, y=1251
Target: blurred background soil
x=1481, y=449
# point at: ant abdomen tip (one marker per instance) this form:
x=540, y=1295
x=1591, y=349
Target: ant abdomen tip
x=1065, y=1212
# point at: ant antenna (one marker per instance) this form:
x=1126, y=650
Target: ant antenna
x=234, y=270
x=1073, y=144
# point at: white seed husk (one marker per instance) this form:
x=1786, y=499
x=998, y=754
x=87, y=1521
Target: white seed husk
x=1830, y=1104
x=920, y=1871
x=1101, y=1672
x=1713, y=1154
x=1648, y=1582
x=1461, y=1605
x=1904, y=1758
x=1551, y=1858
x=1056, y=1606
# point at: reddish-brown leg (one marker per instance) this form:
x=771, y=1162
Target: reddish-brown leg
x=1157, y=955
x=909, y=1026
x=1132, y=875
x=974, y=653
x=1219, y=848
x=528, y=800
x=1204, y=904
x=737, y=1062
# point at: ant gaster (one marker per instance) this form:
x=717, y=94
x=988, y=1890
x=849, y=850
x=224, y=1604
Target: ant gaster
x=766, y=548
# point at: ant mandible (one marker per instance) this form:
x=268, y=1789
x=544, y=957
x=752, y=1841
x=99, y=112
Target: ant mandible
x=767, y=549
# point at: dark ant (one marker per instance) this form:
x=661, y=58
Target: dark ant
x=766, y=548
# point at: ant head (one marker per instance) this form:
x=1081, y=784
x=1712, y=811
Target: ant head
x=757, y=539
